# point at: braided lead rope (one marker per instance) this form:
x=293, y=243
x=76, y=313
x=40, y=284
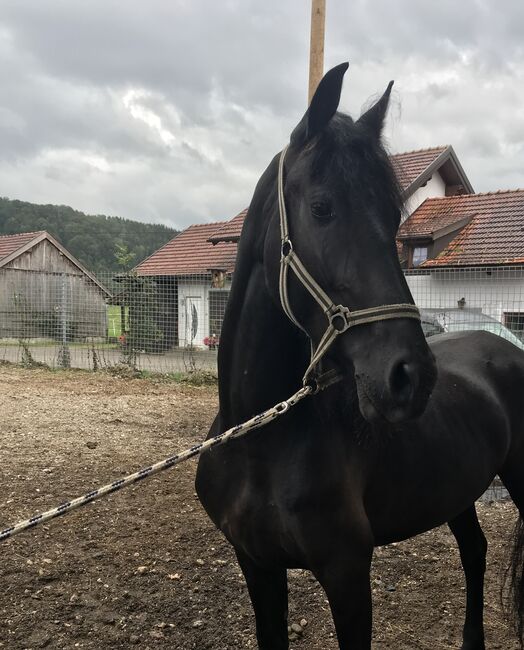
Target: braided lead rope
x=235, y=432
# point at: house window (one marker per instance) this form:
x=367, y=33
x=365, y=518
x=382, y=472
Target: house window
x=420, y=254
x=514, y=320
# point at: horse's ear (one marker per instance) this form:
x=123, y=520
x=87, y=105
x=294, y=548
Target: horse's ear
x=374, y=117
x=323, y=106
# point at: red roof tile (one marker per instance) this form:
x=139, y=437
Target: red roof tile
x=410, y=165
x=423, y=224
x=190, y=252
x=231, y=230
x=495, y=234
x=11, y=243
x=213, y=246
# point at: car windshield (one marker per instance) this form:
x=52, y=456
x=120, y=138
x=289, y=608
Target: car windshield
x=488, y=326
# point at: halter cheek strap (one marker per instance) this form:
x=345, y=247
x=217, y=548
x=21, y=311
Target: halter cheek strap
x=339, y=318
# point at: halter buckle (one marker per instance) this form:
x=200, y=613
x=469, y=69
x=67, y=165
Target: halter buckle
x=339, y=318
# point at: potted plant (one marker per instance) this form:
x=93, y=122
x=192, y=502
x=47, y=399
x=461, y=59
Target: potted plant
x=211, y=341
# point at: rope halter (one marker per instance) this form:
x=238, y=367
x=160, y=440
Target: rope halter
x=339, y=317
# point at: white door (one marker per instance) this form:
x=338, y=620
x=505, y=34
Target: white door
x=194, y=330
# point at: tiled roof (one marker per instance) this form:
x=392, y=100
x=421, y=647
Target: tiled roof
x=190, y=252
x=424, y=224
x=495, y=234
x=213, y=246
x=410, y=165
x=11, y=243
x=231, y=230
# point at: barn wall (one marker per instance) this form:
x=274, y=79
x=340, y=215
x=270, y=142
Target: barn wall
x=41, y=290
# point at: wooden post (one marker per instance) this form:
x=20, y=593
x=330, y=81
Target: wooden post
x=316, y=49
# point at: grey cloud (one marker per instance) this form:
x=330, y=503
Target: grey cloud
x=219, y=87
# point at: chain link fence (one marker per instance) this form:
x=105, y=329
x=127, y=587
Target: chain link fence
x=172, y=324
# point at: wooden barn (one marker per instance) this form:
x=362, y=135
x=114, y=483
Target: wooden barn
x=45, y=293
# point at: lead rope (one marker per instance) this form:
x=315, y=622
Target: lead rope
x=340, y=318
x=235, y=432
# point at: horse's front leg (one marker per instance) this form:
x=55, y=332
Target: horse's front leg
x=268, y=591
x=344, y=575
x=473, y=547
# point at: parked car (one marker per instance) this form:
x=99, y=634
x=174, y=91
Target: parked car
x=437, y=321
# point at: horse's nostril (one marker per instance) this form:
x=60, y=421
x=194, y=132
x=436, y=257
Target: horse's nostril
x=401, y=382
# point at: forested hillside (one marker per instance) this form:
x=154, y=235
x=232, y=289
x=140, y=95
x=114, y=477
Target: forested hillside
x=92, y=239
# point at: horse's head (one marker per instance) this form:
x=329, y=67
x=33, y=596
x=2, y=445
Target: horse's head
x=343, y=211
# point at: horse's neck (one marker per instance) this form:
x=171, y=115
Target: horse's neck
x=262, y=357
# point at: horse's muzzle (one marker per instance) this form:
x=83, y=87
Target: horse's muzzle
x=399, y=391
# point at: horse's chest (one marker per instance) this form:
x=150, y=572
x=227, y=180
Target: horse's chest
x=259, y=516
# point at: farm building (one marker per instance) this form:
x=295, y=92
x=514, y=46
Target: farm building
x=46, y=293
x=192, y=277
x=192, y=273
x=468, y=250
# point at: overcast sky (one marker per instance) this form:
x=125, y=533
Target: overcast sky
x=169, y=110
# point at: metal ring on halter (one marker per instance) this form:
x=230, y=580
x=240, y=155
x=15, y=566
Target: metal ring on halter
x=339, y=319
x=313, y=384
x=286, y=248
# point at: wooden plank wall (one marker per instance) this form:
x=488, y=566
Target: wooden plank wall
x=37, y=286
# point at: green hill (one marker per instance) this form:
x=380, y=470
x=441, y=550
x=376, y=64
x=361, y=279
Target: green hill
x=92, y=239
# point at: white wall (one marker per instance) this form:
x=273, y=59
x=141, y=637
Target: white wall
x=494, y=291
x=435, y=187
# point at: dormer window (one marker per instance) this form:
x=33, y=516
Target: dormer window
x=420, y=254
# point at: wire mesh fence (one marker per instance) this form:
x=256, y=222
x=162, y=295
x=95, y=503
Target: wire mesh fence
x=70, y=320
x=171, y=324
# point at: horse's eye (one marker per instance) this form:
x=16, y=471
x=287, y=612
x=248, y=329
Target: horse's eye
x=322, y=210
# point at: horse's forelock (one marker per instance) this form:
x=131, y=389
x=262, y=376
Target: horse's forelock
x=344, y=149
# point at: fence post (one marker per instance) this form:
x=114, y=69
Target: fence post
x=64, y=355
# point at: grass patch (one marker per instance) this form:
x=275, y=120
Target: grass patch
x=195, y=378
x=115, y=326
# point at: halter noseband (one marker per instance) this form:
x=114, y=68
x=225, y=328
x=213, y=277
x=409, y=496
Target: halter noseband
x=340, y=318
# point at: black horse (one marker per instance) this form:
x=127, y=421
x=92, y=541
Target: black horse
x=410, y=436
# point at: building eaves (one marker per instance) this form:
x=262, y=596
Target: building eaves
x=447, y=154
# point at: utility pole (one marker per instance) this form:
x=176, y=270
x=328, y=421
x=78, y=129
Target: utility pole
x=316, y=48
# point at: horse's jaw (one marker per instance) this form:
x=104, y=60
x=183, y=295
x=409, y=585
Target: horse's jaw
x=378, y=406
x=372, y=413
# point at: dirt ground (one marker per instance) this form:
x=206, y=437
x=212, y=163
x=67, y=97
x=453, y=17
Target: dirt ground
x=145, y=568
